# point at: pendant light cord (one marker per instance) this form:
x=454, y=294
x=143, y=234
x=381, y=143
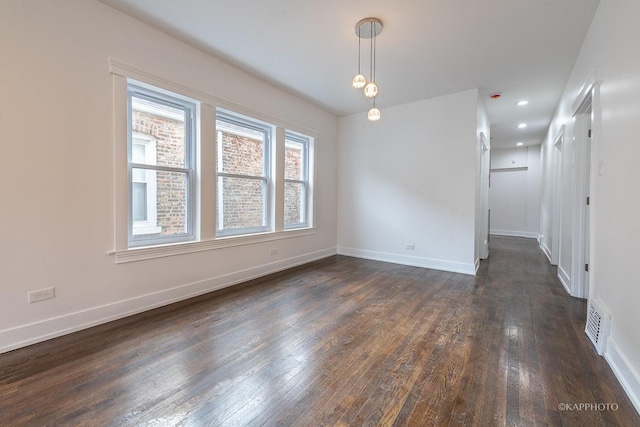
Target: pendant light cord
x=371, y=53
x=359, y=49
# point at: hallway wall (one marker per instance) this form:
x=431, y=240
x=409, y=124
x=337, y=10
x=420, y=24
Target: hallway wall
x=514, y=196
x=609, y=55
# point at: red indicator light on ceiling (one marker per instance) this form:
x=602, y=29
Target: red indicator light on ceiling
x=495, y=96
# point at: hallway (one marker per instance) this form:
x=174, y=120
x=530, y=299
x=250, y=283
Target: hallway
x=342, y=341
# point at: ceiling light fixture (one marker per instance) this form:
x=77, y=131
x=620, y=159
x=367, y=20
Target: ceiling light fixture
x=520, y=143
x=522, y=103
x=368, y=28
x=522, y=125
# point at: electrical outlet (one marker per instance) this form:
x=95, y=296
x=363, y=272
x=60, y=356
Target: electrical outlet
x=409, y=247
x=274, y=252
x=40, y=295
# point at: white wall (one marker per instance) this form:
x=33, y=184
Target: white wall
x=57, y=216
x=411, y=179
x=609, y=53
x=515, y=191
x=483, y=160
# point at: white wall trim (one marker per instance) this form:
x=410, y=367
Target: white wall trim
x=623, y=370
x=21, y=336
x=564, y=279
x=435, y=264
x=585, y=91
x=545, y=250
x=513, y=233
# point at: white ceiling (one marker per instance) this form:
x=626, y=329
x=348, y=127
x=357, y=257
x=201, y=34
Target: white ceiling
x=524, y=49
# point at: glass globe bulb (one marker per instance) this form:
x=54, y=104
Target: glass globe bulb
x=374, y=114
x=370, y=90
x=359, y=81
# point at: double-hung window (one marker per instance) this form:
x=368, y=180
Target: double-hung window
x=243, y=172
x=161, y=167
x=296, y=181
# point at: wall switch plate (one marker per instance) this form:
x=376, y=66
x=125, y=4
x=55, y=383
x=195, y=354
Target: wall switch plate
x=40, y=295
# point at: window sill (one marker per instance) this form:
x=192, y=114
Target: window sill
x=159, y=251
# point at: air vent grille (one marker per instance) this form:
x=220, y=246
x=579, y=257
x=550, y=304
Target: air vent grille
x=597, y=327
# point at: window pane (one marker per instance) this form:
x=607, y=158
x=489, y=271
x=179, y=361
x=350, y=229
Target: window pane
x=243, y=203
x=138, y=153
x=294, y=203
x=243, y=153
x=159, y=203
x=166, y=124
x=294, y=167
x=172, y=202
x=139, y=201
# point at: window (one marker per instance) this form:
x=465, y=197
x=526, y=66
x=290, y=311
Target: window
x=195, y=173
x=243, y=170
x=161, y=175
x=296, y=181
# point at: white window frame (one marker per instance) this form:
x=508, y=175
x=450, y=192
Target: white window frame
x=306, y=194
x=136, y=238
x=235, y=124
x=204, y=191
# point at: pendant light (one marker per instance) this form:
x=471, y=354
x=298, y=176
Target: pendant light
x=368, y=28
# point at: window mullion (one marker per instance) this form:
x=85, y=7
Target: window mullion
x=296, y=181
x=241, y=176
x=160, y=168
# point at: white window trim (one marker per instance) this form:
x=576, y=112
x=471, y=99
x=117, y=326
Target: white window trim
x=190, y=171
x=205, y=187
x=241, y=121
x=160, y=251
x=306, y=141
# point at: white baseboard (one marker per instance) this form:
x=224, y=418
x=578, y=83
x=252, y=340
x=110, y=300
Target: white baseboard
x=545, y=250
x=21, y=336
x=624, y=371
x=564, y=279
x=435, y=264
x=512, y=233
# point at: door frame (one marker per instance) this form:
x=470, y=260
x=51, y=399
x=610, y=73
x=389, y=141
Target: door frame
x=585, y=114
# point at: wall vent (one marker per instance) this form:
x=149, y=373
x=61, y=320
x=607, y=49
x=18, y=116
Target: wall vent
x=597, y=328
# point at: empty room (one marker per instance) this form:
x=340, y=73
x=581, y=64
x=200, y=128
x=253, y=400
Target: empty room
x=337, y=213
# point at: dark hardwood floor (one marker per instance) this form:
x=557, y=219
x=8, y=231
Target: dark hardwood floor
x=338, y=342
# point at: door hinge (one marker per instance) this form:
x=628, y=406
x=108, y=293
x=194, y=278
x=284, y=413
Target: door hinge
x=586, y=267
x=587, y=199
x=589, y=133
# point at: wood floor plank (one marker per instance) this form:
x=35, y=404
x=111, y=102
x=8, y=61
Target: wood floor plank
x=338, y=342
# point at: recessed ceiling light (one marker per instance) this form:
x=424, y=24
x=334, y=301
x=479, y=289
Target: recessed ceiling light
x=522, y=125
x=521, y=103
x=520, y=143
